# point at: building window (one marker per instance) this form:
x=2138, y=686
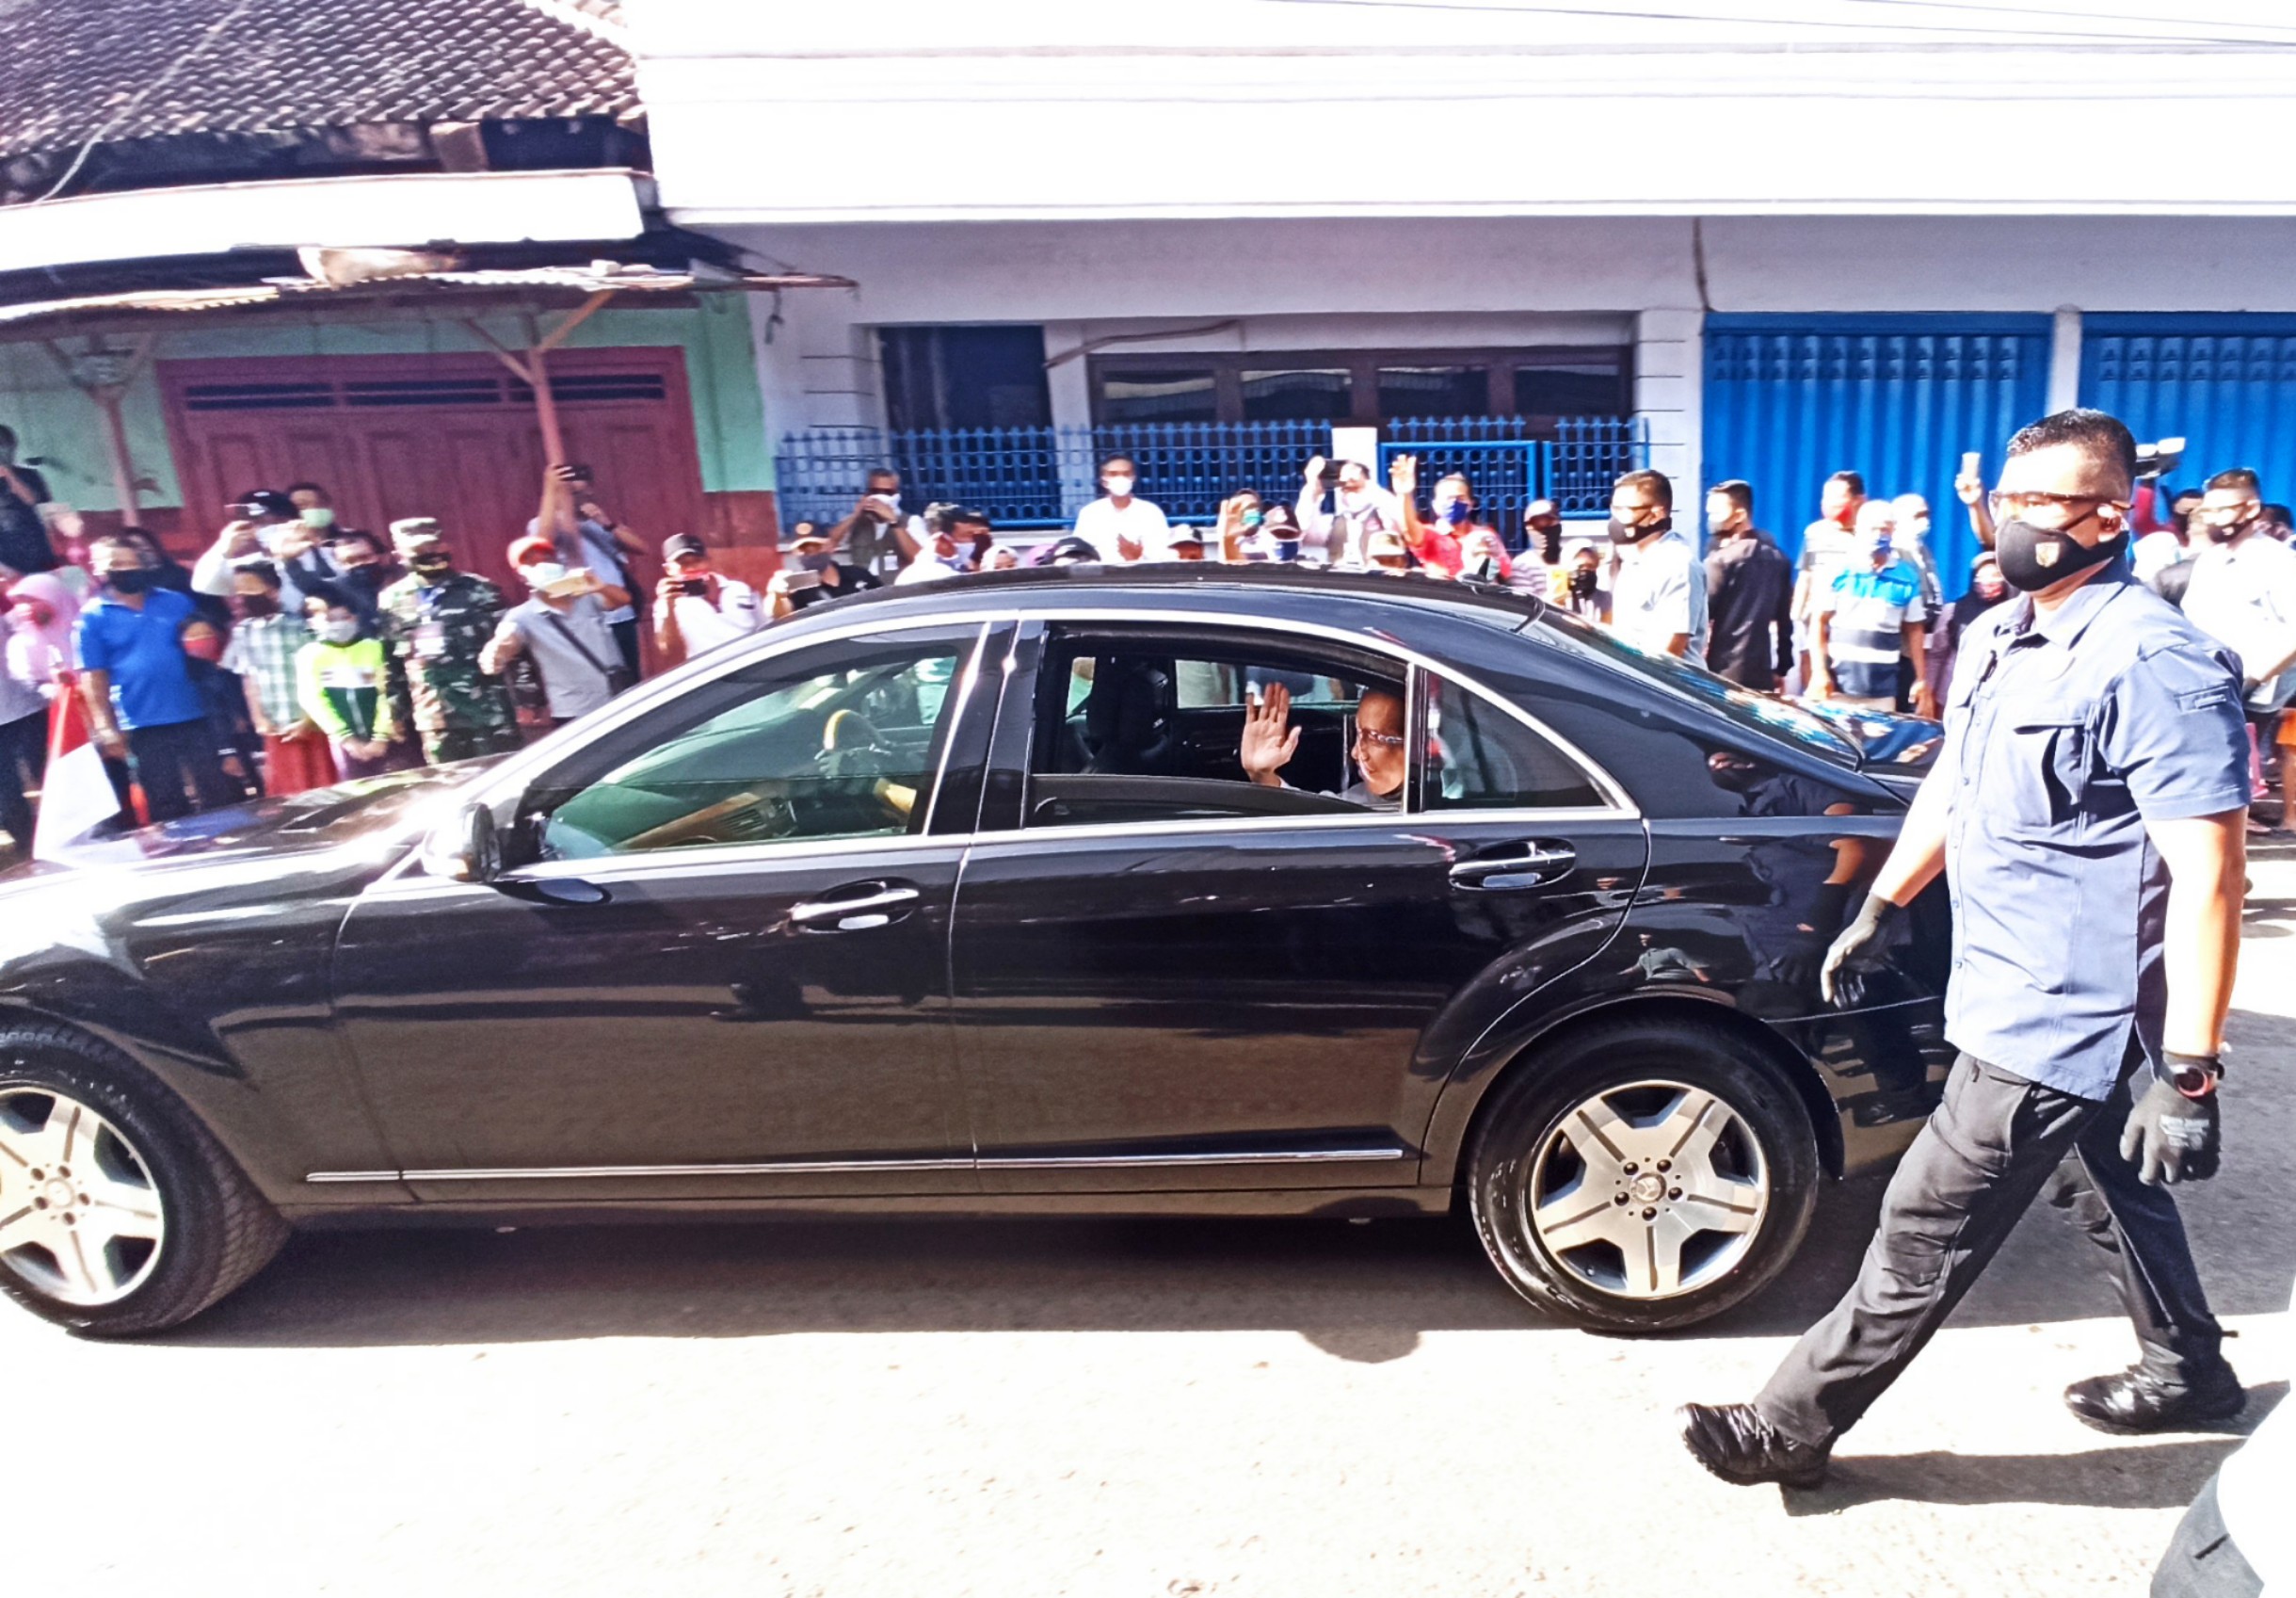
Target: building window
x=1312, y=396
x=1435, y=391
x=989, y=376
x=1595, y=383
x=1365, y=386
x=1159, y=394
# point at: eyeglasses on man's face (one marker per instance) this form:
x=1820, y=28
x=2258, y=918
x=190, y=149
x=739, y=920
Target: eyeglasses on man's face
x=1380, y=740
x=2053, y=510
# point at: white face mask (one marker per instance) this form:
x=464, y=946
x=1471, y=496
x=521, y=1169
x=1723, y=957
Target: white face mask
x=544, y=572
x=339, y=631
x=1119, y=488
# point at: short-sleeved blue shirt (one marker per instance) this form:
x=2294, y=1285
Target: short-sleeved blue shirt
x=2064, y=737
x=143, y=649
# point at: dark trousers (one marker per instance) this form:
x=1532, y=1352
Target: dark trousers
x=1973, y=1171
x=2202, y=1562
x=626, y=639
x=24, y=750
x=178, y=770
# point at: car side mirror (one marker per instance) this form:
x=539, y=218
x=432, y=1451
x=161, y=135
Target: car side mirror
x=468, y=847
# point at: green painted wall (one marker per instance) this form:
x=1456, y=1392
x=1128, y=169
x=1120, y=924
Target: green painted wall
x=53, y=420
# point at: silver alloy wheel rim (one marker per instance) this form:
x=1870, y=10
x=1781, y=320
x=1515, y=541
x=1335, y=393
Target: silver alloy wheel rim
x=1648, y=1190
x=81, y=1220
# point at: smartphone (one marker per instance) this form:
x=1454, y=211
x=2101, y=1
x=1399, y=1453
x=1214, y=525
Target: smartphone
x=694, y=586
x=800, y=581
x=1972, y=463
x=888, y=501
x=573, y=583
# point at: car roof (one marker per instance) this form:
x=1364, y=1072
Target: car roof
x=1285, y=585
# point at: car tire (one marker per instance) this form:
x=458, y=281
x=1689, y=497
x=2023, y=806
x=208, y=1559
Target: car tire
x=1624, y=1238
x=210, y=1230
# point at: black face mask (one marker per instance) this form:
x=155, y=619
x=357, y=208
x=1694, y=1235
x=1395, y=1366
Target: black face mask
x=133, y=580
x=248, y=605
x=430, y=568
x=2034, y=557
x=1622, y=533
x=1583, y=583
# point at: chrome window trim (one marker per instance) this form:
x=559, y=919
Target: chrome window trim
x=512, y=780
x=928, y=1162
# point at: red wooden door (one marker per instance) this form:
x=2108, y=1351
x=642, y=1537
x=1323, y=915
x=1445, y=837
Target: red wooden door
x=450, y=436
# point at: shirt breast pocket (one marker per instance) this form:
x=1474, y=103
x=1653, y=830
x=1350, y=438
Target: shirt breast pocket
x=2046, y=770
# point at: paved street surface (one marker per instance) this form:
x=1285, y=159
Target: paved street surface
x=923, y=1409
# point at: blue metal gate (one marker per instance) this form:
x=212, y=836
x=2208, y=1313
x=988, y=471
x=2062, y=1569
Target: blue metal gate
x=2225, y=383
x=1899, y=398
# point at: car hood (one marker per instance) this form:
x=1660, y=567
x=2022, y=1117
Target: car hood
x=372, y=810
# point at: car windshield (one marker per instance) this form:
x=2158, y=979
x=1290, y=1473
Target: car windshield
x=1760, y=711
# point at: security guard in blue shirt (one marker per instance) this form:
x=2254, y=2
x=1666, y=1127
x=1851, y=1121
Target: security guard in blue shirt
x=2089, y=806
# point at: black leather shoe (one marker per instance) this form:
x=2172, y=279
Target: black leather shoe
x=1736, y=1444
x=2138, y=1399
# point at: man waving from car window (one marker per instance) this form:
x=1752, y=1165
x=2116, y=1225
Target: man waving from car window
x=1270, y=740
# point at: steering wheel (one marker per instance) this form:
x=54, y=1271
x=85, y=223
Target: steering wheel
x=850, y=747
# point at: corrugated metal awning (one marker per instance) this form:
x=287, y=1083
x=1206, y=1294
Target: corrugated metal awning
x=348, y=285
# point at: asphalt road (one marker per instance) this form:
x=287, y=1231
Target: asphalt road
x=925, y=1409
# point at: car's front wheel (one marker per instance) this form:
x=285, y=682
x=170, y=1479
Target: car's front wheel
x=118, y=1212
x=1640, y=1176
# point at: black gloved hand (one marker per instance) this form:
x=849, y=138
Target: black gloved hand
x=2172, y=1137
x=1858, y=952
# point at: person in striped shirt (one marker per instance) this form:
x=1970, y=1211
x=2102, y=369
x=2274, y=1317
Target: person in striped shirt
x=1868, y=619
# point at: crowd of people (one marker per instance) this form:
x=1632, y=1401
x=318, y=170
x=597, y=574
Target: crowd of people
x=296, y=652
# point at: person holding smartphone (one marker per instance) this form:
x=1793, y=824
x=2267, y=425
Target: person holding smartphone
x=696, y=609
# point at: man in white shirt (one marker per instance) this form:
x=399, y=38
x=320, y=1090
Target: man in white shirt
x=1657, y=601
x=1121, y=525
x=1825, y=551
x=1359, y=507
x=942, y=556
x=2244, y=590
x=695, y=610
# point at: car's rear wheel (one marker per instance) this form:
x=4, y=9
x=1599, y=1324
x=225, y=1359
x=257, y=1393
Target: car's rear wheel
x=1640, y=1176
x=118, y=1212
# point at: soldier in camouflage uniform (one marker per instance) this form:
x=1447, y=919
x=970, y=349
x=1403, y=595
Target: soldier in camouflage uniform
x=434, y=624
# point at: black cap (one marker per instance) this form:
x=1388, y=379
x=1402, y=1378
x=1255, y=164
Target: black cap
x=267, y=502
x=682, y=543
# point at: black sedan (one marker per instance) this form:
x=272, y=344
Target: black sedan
x=1175, y=891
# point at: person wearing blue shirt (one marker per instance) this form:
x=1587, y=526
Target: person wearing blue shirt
x=136, y=682
x=2088, y=807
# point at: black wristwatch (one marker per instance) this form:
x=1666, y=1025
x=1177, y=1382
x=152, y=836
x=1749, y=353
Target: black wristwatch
x=2194, y=1075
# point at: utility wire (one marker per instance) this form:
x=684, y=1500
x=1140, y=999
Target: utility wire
x=2010, y=38
x=134, y=102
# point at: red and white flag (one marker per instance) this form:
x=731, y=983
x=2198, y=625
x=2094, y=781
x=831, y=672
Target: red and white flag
x=78, y=794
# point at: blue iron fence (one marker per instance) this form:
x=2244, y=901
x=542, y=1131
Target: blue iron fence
x=1039, y=478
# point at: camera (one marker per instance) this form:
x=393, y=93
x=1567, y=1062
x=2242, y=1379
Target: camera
x=2157, y=460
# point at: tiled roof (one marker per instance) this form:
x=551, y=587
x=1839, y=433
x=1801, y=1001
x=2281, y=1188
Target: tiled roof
x=119, y=70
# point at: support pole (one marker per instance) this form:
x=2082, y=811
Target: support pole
x=106, y=376
x=123, y=466
x=531, y=366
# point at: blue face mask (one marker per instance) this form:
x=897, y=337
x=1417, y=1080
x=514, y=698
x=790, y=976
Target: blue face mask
x=816, y=559
x=1458, y=512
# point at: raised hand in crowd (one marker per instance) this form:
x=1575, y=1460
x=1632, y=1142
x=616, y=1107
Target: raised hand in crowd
x=1269, y=740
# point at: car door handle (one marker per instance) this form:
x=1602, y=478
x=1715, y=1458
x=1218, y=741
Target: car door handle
x=1532, y=865
x=853, y=915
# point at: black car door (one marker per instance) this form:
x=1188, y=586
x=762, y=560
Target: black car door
x=1167, y=977
x=719, y=969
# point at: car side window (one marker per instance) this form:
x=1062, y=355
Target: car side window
x=840, y=741
x=1142, y=727
x=1479, y=757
